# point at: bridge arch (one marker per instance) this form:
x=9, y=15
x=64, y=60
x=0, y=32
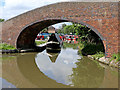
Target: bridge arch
x=26, y=38
x=101, y=17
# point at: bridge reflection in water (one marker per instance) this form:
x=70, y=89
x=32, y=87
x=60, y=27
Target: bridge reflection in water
x=69, y=70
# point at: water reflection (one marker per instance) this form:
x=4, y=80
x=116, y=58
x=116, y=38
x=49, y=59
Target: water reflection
x=71, y=69
x=35, y=70
x=30, y=71
x=53, y=54
x=59, y=70
x=87, y=78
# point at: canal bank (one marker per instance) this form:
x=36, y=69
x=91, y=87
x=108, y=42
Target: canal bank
x=107, y=61
x=42, y=46
x=96, y=52
x=7, y=49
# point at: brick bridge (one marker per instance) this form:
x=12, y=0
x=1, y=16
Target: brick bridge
x=101, y=17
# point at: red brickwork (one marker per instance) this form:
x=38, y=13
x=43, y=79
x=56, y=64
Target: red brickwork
x=101, y=17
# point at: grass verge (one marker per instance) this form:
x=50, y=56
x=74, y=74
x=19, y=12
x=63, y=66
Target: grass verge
x=115, y=57
x=98, y=55
x=4, y=46
x=40, y=42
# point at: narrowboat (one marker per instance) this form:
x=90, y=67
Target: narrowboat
x=54, y=43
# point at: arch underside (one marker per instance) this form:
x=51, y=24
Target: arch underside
x=26, y=38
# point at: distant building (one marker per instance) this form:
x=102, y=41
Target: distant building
x=51, y=29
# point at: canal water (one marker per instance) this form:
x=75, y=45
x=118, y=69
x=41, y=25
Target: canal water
x=64, y=69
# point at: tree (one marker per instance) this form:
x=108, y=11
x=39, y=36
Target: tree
x=68, y=29
x=2, y=20
x=44, y=30
x=61, y=30
x=63, y=25
x=84, y=33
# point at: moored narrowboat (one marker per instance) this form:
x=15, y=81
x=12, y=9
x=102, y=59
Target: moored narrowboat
x=54, y=42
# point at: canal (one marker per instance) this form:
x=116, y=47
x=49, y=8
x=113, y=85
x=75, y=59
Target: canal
x=64, y=69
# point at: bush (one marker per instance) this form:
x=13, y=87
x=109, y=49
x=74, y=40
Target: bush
x=91, y=48
x=98, y=55
x=81, y=45
x=115, y=57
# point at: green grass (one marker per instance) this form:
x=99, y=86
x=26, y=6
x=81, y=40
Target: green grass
x=69, y=45
x=81, y=45
x=40, y=42
x=74, y=46
x=4, y=46
x=115, y=57
x=98, y=55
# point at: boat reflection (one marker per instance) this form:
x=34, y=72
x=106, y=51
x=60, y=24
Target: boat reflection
x=53, y=54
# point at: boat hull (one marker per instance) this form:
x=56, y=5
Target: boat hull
x=53, y=47
x=54, y=43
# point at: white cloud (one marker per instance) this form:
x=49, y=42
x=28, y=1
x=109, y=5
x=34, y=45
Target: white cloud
x=59, y=25
x=66, y=59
